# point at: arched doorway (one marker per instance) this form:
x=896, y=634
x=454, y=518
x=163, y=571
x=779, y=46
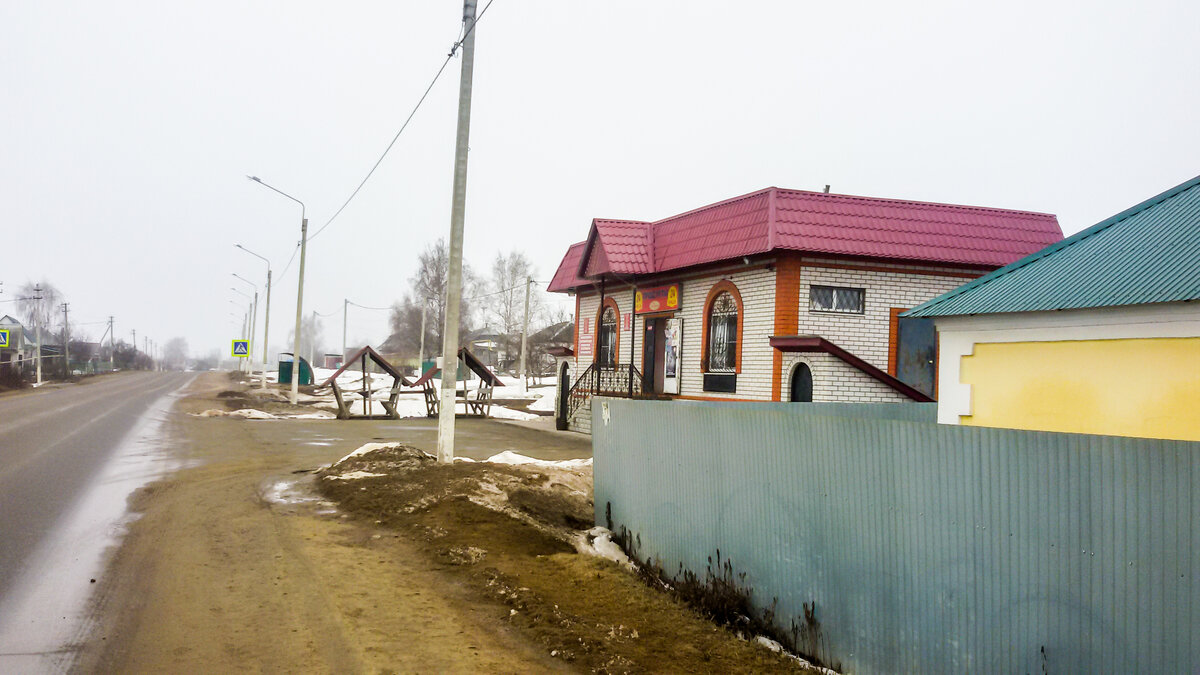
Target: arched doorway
x=564, y=388
x=801, y=384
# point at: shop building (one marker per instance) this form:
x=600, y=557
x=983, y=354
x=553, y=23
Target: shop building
x=1097, y=334
x=777, y=295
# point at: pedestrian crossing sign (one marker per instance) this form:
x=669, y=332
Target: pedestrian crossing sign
x=241, y=348
x=4, y=338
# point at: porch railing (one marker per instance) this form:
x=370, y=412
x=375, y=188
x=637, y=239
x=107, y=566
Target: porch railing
x=619, y=380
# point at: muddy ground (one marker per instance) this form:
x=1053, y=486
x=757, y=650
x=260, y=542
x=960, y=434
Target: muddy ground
x=250, y=561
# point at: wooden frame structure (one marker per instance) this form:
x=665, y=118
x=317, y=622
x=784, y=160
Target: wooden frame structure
x=389, y=405
x=480, y=406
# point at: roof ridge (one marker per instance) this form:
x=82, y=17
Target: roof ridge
x=1079, y=236
x=723, y=202
x=893, y=200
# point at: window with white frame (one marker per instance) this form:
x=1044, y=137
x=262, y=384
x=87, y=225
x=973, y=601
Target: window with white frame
x=836, y=299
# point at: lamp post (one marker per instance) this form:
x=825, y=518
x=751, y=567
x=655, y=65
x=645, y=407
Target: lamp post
x=245, y=323
x=295, y=396
x=266, y=313
x=253, y=325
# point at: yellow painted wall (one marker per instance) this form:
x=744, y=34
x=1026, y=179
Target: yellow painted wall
x=1136, y=387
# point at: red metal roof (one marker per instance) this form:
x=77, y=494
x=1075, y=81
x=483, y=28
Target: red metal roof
x=813, y=222
x=566, y=277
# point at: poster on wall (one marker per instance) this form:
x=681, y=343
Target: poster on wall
x=671, y=349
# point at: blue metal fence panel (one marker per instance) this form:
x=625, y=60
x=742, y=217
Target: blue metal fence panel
x=925, y=548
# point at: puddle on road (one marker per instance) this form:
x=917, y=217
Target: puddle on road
x=45, y=618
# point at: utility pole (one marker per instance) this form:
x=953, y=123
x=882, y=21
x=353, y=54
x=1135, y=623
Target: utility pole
x=525, y=335
x=266, y=327
x=112, y=346
x=345, y=313
x=457, y=216
x=66, y=342
x=37, y=323
x=253, y=328
x=421, y=351
x=135, y=351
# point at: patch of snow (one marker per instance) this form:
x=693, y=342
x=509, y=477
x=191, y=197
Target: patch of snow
x=502, y=413
x=252, y=414
x=774, y=646
x=510, y=457
x=598, y=542
x=769, y=643
x=543, y=404
x=368, y=448
x=355, y=475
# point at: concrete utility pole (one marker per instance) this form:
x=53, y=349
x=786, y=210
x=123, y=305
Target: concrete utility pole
x=37, y=327
x=299, y=289
x=525, y=335
x=345, y=314
x=66, y=342
x=457, y=216
x=112, y=346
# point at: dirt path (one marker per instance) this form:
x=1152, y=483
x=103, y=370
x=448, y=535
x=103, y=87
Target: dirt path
x=213, y=578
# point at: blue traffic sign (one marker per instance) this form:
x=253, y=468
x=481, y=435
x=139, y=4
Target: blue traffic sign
x=241, y=348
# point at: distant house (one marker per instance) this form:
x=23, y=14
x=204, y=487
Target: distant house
x=777, y=295
x=1099, y=333
x=19, y=347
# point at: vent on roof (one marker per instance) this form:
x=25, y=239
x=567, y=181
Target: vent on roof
x=826, y=189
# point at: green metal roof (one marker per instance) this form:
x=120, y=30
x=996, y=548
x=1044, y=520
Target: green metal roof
x=1146, y=254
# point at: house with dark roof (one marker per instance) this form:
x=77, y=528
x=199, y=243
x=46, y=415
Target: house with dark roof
x=1098, y=333
x=776, y=295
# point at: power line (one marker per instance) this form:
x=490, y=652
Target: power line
x=351, y=302
x=453, y=52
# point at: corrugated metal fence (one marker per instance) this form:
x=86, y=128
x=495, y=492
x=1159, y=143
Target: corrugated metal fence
x=925, y=548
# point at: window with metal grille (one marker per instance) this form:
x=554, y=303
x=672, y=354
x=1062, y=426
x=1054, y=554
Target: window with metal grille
x=606, y=339
x=722, y=334
x=836, y=299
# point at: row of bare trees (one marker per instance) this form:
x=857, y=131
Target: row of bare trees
x=495, y=302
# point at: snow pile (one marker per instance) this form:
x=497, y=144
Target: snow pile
x=252, y=414
x=368, y=448
x=510, y=457
x=543, y=404
x=598, y=542
x=354, y=475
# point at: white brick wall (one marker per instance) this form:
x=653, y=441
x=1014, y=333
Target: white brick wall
x=835, y=381
x=757, y=288
x=866, y=335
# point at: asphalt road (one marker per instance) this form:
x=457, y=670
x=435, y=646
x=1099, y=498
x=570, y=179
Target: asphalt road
x=53, y=443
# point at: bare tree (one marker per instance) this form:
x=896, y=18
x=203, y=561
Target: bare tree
x=36, y=311
x=428, y=287
x=175, y=354
x=311, y=335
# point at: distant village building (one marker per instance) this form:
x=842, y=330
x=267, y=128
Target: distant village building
x=1099, y=333
x=18, y=348
x=777, y=295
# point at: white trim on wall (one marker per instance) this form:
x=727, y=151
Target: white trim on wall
x=958, y=336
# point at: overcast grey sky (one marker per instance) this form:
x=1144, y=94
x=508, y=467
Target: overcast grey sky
x=127, y=130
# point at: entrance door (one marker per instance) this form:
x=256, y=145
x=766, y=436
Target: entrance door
x=653, y=351
x=916, y=351
x=564, y=388
x=801, y=384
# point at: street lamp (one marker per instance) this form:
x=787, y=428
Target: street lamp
x=266, y=312
x=295, y=397
x=253, y=326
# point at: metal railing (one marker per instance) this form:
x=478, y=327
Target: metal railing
x=619, y=380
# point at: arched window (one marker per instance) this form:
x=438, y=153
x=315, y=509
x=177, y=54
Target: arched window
x=722, y=334
x=606, y=338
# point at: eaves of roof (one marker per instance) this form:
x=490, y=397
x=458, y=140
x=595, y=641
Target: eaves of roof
x=1148, y=253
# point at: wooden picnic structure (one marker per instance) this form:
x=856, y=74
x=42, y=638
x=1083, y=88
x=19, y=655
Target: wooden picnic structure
x=479, y=406
x=360, y=357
